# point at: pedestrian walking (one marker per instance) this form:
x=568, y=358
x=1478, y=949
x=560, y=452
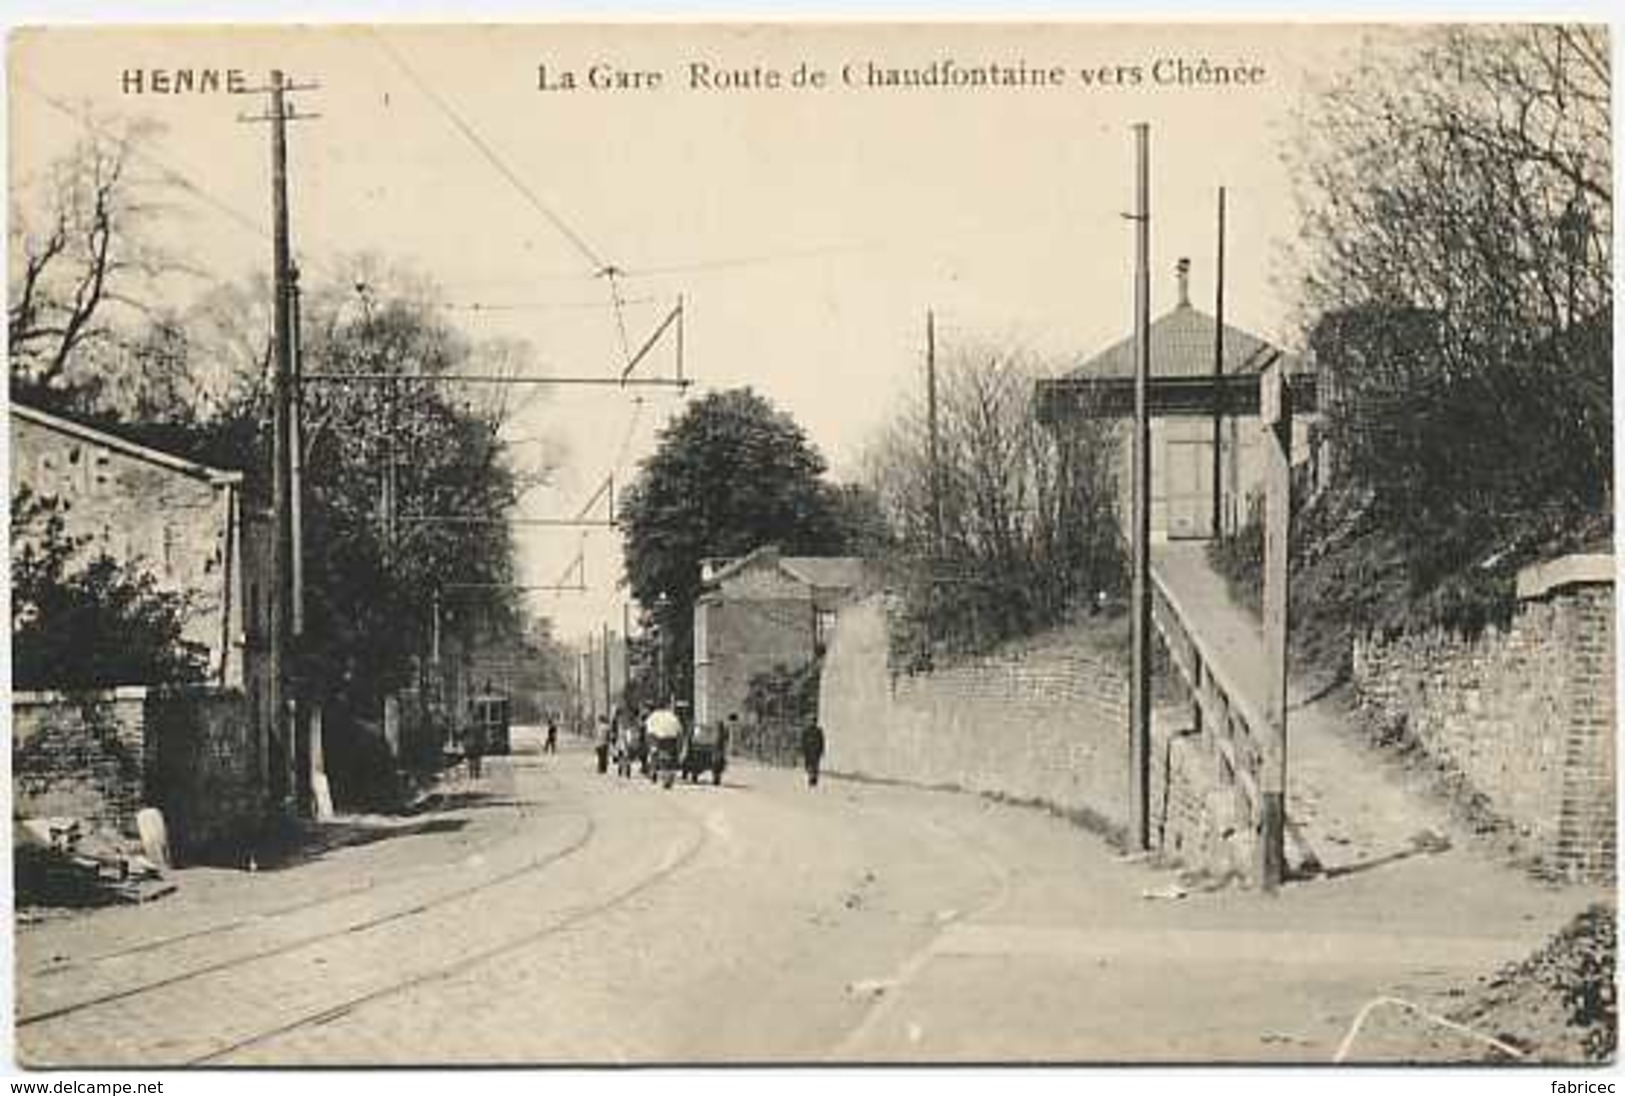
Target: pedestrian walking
x=605, y=733
x=812, y=752
x=474, y=748
x=552, y=743
x=626, y=745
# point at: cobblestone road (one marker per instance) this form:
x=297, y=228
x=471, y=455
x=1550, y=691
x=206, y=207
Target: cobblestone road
x=554, y=915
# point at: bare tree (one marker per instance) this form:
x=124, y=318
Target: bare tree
x=1026, y=511
x=1455, y=249
x=1470, y=176
x=79, y=258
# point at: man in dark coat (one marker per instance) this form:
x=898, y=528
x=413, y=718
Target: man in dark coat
x=812, y=752
x=606, y=736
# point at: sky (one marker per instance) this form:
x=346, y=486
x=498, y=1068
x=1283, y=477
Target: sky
x=807, y=229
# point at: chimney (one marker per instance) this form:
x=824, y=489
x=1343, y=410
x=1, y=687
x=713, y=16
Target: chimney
x=1183, y=270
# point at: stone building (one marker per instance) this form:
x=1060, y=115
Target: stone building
x=180, y=521
x=1183, y=439
x=207, y=753
x=760, y=611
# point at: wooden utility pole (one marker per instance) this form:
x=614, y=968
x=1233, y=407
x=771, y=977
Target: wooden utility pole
x=1275, y=415
x=284, y=704
x=286, y=598
x=1140, y=540
x=592, y=672
x=281, y=698
x=296, y=469
x=1218, y=379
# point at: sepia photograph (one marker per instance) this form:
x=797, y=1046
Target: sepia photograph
x=787, y=543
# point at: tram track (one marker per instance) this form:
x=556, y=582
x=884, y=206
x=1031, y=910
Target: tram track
x=522, y=813
x=574, y=846
x=673, y=862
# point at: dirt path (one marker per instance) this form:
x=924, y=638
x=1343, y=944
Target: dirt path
x=1346, y=801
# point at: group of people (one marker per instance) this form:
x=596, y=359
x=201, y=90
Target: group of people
x=623, y=739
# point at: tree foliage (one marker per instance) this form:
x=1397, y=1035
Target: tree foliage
x=84, y=620
x=371, y=587
x=1455, y=249
x=730, y=474
x=94, y=331
x=1027, y=517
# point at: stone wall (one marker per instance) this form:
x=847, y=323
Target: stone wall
x=1048, y=726
x=82, y=755
x=1526, y=714
x=1197, y=819
x=102, y=756
x=206, y=771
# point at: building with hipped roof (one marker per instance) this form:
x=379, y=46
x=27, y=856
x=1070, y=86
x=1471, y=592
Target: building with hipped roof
x=1183, y=343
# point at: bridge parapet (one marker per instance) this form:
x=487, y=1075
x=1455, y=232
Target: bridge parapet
x=1230, y=725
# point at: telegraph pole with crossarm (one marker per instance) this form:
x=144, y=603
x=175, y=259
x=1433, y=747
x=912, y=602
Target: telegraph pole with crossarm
x=285, y=610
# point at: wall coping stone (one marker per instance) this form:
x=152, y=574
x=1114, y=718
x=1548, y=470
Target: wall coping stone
x=41, y=697
x=1581, y=569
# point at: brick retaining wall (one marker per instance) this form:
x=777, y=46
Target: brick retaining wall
x=80, y=755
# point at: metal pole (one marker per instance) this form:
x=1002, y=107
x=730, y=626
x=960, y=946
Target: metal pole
x=434, y=632
x=626, y=655
x=682, y=314
x=1140, y=683
x=392, y=483
x=934, y=456
x=1218, y=376
x=592, y=672
x=609, y=700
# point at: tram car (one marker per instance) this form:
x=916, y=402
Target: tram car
x=490, y=716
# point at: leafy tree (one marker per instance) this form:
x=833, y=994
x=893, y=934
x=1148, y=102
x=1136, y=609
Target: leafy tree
x=370, y=593
x=371, y=587
x=87, y=621
x=730, y=474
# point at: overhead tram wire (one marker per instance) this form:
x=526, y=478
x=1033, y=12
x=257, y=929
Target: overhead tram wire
x=539, y=306
x=598, y=262
x=600, y=265
x=610, y=273
x=171, y=174
x=247, y=222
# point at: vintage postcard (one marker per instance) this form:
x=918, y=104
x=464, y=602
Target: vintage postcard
x=812, y=543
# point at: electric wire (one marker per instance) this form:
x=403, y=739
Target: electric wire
x=490, y=155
